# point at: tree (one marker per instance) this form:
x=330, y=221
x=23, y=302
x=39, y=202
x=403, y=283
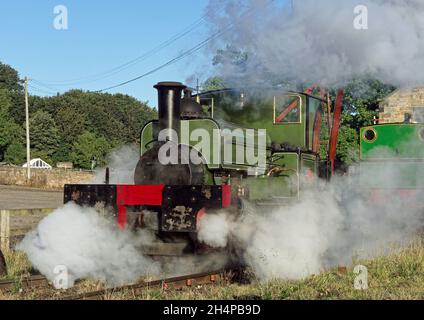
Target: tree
x=231, y=55
x=15, y=153
x=9, y=131
x=44, y=135
x=362, y=99
x=213, y=83
x=70, y=122
x=9, y=78
x=57, y=122
x=88, y=147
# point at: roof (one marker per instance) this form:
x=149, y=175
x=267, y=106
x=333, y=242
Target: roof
x=38, y=163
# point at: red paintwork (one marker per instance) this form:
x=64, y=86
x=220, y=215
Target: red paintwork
x=316, y=145
x=293, y=105
x=335, y=128
x=286, y=111
x=200, y=215
x=226, y=195
x=132, y=195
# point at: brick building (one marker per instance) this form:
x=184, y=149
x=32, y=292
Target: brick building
x=403, y=104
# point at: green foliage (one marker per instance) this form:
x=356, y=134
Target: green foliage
x=213, y=83
x=57, y=123
x=231, y=55
x=361, y=101
x=15, y=153
x=347, y=147
x=9, y=78
x=44, y=135
x=87, y=148
x=10, y=132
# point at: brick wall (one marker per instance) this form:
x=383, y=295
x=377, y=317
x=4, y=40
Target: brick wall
x=53, y=179
x=394, y=107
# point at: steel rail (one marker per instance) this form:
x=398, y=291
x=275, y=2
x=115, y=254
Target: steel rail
x=27, y=282
x=174, y=283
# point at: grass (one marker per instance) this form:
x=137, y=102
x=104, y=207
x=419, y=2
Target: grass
x=399, y=275
x=17, y=265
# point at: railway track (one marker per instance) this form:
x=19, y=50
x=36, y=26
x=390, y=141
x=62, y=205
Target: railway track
x=174, y=283
x=27, y=282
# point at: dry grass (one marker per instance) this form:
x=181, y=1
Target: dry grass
x=17, y=264
x=399, y=275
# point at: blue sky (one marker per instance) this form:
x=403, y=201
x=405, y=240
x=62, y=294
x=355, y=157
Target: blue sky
x=101, y=36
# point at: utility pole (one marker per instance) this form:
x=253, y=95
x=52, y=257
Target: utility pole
x=27, y=129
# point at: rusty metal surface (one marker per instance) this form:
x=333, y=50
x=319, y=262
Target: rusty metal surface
x=101, y=197
x=182, y=203
x=175, y=283
x=33, y=281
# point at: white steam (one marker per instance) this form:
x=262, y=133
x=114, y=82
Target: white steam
x=215, y=234
x=331, y=224
x=318, y=43
x=88, y=245
x=121, y=163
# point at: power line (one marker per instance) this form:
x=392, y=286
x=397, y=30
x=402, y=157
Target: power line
x=124, y=66
x=172, y=61
x=181, y=56
x=40, y=90
x=43, y=85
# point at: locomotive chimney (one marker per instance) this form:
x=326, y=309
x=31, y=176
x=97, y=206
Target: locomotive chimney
x=169, y=105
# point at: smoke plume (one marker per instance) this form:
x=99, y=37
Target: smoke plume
x=332, y=224
x=121, y=163
x=317, y=41
x=88, y=245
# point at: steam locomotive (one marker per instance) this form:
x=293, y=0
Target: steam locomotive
x=172, y=198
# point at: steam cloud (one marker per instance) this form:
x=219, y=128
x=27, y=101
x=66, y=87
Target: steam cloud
x=122, y=163
x=332, y=224
x=88, y=245
x=317, y=41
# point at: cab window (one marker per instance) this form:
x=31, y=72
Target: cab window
x=287, y=109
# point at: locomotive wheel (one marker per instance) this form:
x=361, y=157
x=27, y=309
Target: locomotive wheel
x=3, y=268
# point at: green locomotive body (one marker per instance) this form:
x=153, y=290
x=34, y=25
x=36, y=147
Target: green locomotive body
x=292, y=126
x=391, y=166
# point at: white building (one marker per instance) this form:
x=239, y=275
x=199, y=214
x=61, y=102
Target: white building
x=38, y=164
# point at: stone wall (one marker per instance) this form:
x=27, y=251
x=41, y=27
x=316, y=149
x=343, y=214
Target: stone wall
x=401, y=102
x=53, y=179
